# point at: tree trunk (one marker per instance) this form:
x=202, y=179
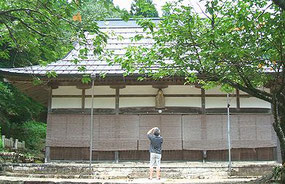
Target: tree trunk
x=280, y=3
x=280, y=135
x=279, y=121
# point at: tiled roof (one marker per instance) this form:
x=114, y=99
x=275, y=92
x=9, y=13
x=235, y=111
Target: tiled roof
x=120, y=34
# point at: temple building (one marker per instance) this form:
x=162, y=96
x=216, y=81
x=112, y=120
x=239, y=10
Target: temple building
x=193, y=121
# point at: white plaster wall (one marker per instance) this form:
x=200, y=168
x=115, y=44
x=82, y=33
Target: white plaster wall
x=67, y=90
x=253, y=102
x=65, y=103
x=183, y=101
x=181, y=89
x=101, y=102
x=219, y=102
x=101, y=90
x=137, y=102
x=215, y=90
x=138, y=90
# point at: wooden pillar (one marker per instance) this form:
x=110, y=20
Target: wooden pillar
x=83, y=87
x=47, y=148
x=117, y=101
x=203, y=101
x=238, y=99
x=50, y=87
x=117, y=111
x=47, y=154
x=49, y=99
x=117, y=97
x=203, y=127
x=83, y=99
x=182, y=135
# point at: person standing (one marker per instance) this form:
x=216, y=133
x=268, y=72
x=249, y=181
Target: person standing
x=155, y=151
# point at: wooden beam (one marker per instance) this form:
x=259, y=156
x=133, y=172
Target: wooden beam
x=53, y=85
x=26, y=87
x=117, y=86
x=198, y=86
x=120, y=82
x=167, y=110
x=160, y=86
x=150, y=95
x=83, y=86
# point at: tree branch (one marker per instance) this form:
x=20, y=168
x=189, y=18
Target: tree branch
x=251, y=91
x=15, y=10
x=203, y=11
x=264, y=11
x=11, y=34
x=27, y=26
x=25, y=10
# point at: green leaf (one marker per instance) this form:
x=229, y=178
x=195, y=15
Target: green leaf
x=51, y=74
x=86, y=79
x=82, y=68
x=37, y=81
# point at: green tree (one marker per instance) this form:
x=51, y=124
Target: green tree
x=239, y=44
x=34, y=134
x=94, y=10
x=40, y=31
x=33, y=31
x=143, y=8
x=15, y=109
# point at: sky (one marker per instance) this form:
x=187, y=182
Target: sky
x=126, y=4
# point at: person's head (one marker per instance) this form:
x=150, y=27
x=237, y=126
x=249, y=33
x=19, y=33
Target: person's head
x=156, y=131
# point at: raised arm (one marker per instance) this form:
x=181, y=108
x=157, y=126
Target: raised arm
x=151, y=131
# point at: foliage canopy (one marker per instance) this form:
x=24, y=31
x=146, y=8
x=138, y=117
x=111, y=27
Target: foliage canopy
x=143, y=8
x=94, y=10
x=41, y=31
x=236, y=44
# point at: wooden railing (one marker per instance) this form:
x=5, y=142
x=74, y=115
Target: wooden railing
x=12, y=144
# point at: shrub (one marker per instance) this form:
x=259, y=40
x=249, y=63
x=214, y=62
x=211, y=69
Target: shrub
x=34, y=134
x=279, y=173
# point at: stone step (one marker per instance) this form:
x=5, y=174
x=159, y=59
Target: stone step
x=198, y=174
x=117, y=173
x=23, y=180
x=133, y=170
